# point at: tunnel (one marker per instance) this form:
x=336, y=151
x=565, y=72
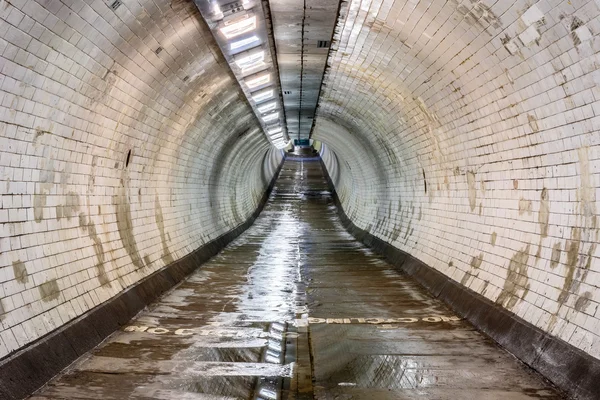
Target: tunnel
x=299, y=199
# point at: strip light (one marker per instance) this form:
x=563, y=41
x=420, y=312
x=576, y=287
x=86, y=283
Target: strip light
x=262, y=95
x=250, y=60
x=274, y=131
x=243, y=42
x=271, y=117
x=258, y=80
x=267, y=107
x=239, y=27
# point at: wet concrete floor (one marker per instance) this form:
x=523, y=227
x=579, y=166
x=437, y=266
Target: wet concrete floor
x=295, y=308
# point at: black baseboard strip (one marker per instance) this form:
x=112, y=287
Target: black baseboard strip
x=570, y=369
x=24, y=372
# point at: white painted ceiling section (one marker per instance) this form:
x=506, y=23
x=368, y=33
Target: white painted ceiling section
x=242, y=31
x=302, y=32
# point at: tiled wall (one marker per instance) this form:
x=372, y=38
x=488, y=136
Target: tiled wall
x=125, y=144
x=465, y=133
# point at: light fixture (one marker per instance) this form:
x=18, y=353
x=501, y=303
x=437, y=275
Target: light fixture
x=274, y=130
x=262, y=95
x=258, y=80
x=267, y=107
x=241, y=25
x=243, y=42
x=249, y=59
x=270, y=117
x=240, y=28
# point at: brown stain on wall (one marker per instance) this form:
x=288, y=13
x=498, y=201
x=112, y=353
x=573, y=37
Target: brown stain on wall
x=166, y=256
x=125, y=226
x=46, y=182
x=544, y=214
x=525, y=206
x=70, y=208
x=465, y=278
x=20, y=271
x=586, y=193
x=493, y=238
x=516, y=285
x=43, y=189
x=533, y=123
x=233, y=205
x=49, y=290
x=583, y=302
x=472, y=189
x=476, y=261
x=39, y=202
x=543, y=219
x=572, y=249
x=585, y=234
x=90, y=228
x=556, y=253
x=475, y=264
x=408, y=230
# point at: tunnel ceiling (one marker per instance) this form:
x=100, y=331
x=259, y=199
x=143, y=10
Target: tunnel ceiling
x=302, y=32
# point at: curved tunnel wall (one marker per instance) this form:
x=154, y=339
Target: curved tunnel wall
x=125, y=145
x=465, y=133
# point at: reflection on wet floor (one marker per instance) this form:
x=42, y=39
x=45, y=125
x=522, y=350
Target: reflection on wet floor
x=296, y=308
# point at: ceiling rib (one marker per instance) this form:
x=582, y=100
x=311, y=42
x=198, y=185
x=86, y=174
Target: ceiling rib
x=303, y=32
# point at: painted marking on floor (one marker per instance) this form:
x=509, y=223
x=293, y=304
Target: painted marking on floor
x=408, y=320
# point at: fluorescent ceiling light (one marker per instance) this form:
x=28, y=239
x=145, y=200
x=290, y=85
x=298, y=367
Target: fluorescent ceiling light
x=267, y=107
x=249, y=59
x=239, y=26
x=271, y=117
x=259, y=80
x=243, y=42
x=262, y=95
x=274, y=130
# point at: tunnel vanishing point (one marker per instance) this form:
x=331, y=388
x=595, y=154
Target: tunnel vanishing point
x=299, y=199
